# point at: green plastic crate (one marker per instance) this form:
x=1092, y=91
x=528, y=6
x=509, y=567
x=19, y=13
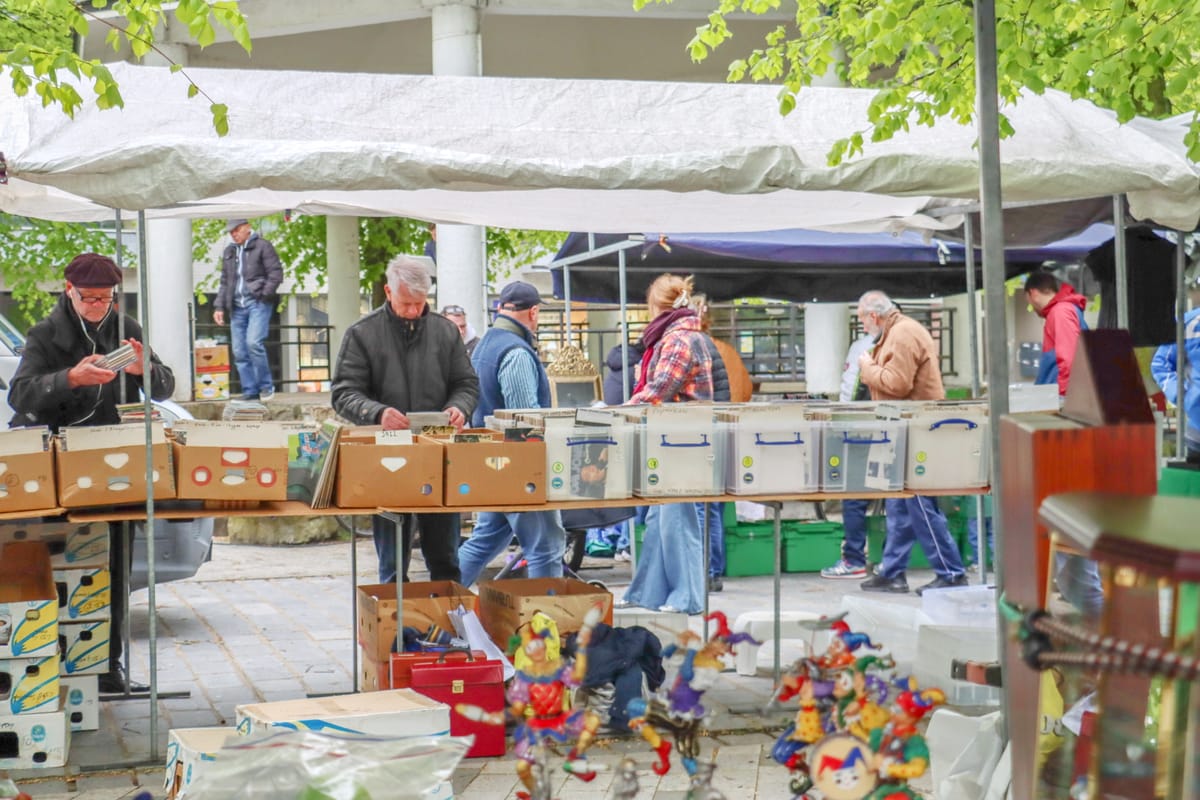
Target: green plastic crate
x=750, y=549
x=811, y=546
x=1179, y=482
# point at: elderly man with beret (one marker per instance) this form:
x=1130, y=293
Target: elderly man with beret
x=60, y=382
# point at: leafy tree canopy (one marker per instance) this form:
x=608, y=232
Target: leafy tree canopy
x=1136, y=57
x=36, y=44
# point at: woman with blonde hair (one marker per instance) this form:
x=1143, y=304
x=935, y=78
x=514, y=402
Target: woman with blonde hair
x=676, y=368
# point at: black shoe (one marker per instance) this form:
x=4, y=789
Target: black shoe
x=113, y=682
x=715, y=584
x=944, y=583
x=878, y=583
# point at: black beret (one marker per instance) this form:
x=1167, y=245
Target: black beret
x=92, y=270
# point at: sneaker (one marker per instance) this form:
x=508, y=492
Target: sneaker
x=267, y=394
x=944, y=583
x=250, y=398
x=670, y=609
x=622, y=555
x=878, y=583
x=715, y=584
x=843, y=569
x=623, y=603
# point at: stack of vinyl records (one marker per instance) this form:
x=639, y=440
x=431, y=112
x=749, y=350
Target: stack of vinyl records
x=244, y=411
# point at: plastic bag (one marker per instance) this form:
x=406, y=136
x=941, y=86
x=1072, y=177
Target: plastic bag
x=306, y=765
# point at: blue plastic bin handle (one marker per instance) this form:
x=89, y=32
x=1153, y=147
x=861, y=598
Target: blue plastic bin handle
x=970, y=425
x=759, y=440
x=847, y=440
x=576, y=442
x=702, y=443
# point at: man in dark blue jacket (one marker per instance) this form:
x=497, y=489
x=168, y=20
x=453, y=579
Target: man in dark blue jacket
x=250, y=277
x=512, y=376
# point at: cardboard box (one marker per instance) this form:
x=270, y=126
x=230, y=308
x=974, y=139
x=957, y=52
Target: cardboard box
x=28, y=601
x=83, y=594
x=373, y=676
x=82, y=702
x=71, y=544
x=212, y=386
x=392, y=713
x=35, y=741
x=29, y=685
x=772, y=449
x=106, y=465
x=371, y=472
x=493, y=472
x=425, y=603
x=84, y=646
x=506, y=605
x=212, y=358
x=230, y=460
x=679, y=451
x=586, y=462
x=26, y=470
x=189, y=750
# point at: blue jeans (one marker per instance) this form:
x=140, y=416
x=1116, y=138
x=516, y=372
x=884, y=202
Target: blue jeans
x=1079, y=581
x=540, y=533
x=716, y=535
x=973, y=537
x=439, y=545
x=670, y=568
x=918, y=519
x=248, y=326
x=854, y=539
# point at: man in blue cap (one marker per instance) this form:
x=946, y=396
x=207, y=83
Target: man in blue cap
x=250, y=277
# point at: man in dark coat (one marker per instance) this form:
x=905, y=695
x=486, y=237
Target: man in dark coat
x=60, y=382
x=250, y=277
x=402, y=358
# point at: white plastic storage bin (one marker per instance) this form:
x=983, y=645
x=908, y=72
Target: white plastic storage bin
x=862, y=455
x=939, y=645
x=771, y=450
x=589, y=462
x=679, y=452
x=968, y=606
x=947, y=448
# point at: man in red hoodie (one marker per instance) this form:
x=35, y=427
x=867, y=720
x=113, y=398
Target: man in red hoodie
x=1062, y=308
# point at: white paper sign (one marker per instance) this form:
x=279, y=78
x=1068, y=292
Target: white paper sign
x=394, y=437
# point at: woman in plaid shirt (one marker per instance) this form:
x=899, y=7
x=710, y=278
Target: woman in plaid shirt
x=676, y=368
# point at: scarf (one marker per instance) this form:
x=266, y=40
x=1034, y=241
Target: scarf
x=652, y=335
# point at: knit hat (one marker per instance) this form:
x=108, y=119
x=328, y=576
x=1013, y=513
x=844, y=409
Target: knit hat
x=92, y=271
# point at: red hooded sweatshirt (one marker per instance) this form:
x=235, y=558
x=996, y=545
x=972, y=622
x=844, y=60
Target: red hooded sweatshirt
x=1064, y=321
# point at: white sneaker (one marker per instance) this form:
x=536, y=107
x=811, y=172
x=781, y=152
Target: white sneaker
x=621, y=555
x=267, y=394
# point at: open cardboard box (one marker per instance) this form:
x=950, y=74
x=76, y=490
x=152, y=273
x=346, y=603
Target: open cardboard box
x=189, y=751
x=231, y=460
x=212, y=358
x=493, y=471
x=71, y=544
x=40, y=741
x=28, y=601
x=375, y=469
x=425, y=603
x=26, y=470
x=506, y=605
x=105, y=465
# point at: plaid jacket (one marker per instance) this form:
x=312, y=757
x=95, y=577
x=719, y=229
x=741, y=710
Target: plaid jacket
x=680, y=366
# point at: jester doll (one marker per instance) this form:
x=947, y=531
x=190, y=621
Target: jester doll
x=901, y=752
x=858, y=692
x=679, y=710
x=809, y=725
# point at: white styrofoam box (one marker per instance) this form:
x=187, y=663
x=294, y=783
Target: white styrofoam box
x=772, y=449
x=862, y=455
x=750, y=511
x=188, y=751
x=679, y=452
x=387, y=713
x=589, y=462
x=35, y=741
x=948, y=449
x=84, y=646
x=1029, y=397
x=29, y=685
x=969, y=606
x=71, y=544
x=82, y=702
x=83, y=594
x=939, y=645
x=891, y=625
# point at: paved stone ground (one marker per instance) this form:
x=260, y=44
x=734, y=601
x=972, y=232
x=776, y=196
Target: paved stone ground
x=271, y=623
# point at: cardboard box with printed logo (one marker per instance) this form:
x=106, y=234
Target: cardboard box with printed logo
x=387, y=468
x=491, y=471
x=84, y=646
x=29, y=685
x=425, y=603
x=212, y=358
x=28, y=601
x=231, y=460
x=26, y=470
x=212, y=386
x=71, y=544
x=36, y=741
x=395, y=712
x=106, y=465
x=506, y=605
x=83, y=594
x=189, y=751
x=82, y=701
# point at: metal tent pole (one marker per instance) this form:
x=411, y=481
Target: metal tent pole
x=148, y=410
x=1120, y=256
x=976, y=387
x=1180, y=352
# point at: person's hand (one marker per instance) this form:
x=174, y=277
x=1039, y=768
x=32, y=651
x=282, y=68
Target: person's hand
x=219, y=317
x=87, y=373
x=136, y=367
x=457, y=418
x=393, y=420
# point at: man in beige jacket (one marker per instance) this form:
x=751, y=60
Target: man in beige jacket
x=904, y=366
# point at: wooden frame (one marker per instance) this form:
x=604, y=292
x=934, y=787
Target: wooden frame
x=574, y=391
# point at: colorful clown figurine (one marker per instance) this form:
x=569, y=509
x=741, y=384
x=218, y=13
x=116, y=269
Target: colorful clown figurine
x=808, y=726
x=900, y=750
x=859, y=690
x=845, y=642
x=679, y=710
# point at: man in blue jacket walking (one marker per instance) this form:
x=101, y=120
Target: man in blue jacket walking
x=1166, y=368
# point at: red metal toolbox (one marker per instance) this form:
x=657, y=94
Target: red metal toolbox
x=401, y=665
x=469, y=679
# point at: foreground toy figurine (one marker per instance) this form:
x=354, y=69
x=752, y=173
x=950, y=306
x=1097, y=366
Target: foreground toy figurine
x=900, y=750
x=540, y=701
x=679, y=711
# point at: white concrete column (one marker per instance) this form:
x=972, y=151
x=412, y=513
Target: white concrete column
x=461, y=258
x=826, y=340
x=341, y=279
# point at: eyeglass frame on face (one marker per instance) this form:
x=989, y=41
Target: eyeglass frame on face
x=94, y=301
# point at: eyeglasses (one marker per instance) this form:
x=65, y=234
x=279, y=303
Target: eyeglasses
x=456, y=311
x=102, y=300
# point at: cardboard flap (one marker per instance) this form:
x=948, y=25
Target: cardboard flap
x=110, y=437
x=205, y=433
x=21, y=441
x=348, y=705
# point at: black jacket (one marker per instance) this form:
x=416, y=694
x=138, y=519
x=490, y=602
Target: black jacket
x=720, y=376
x=261, y=271
x=409, y=365
x=613, y=395
x=39, y=392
